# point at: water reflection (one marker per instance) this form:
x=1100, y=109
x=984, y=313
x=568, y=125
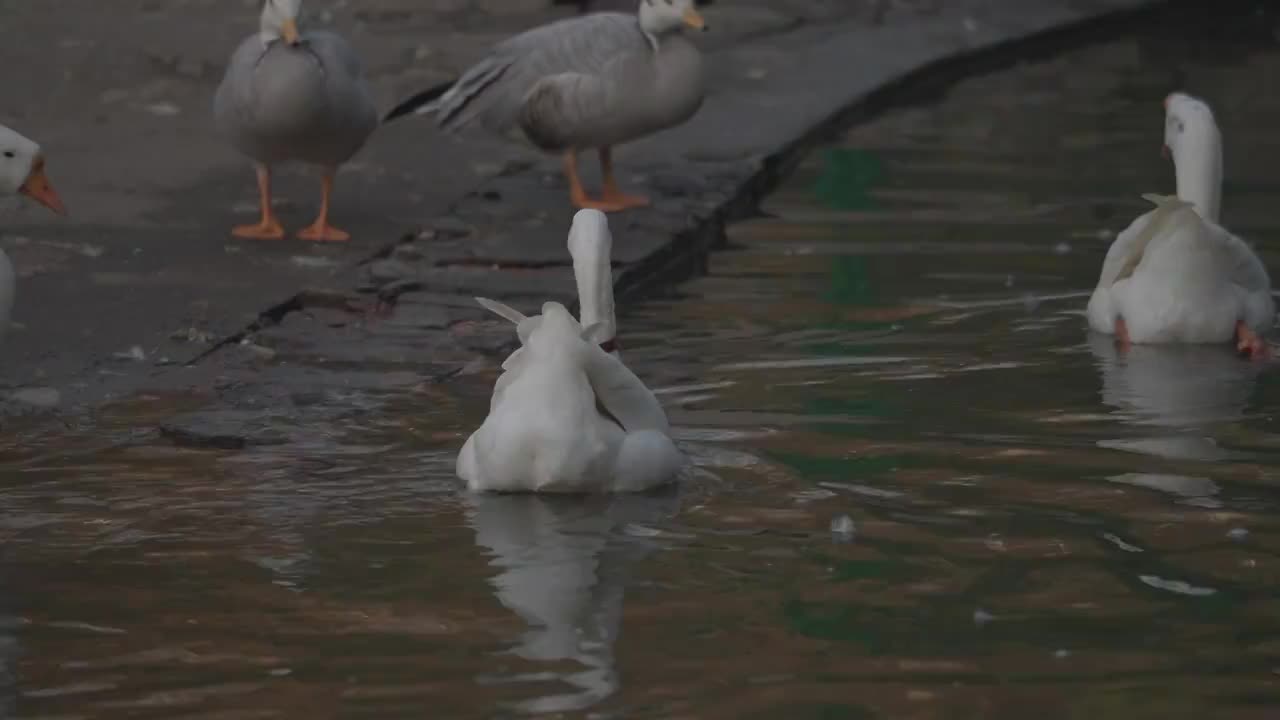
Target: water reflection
x=9, y=651
x=1184, y=391
x=1189, y=387
x=1194, y=491
x=897, y=345
x=563, y=564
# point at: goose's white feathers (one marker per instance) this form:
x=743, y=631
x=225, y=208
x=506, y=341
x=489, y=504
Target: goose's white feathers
x=544, y=432
x=1175, y=275
x=565, y=415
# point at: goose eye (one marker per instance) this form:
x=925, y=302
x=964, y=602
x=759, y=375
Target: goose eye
x=9, y=153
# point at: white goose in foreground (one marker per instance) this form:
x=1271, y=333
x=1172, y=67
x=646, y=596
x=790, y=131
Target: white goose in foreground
x=567, y=416
x=21, y=173
x=294, y=96
x=1175, y=275
x=588, y=82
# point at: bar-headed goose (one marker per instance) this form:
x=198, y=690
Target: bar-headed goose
x=584, y=83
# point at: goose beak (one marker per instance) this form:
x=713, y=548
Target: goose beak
x=693, y=19
x=37, y=188
x=289, y=31
x=1164, y=150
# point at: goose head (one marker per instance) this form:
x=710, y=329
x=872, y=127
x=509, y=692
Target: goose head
x=590, y=243
x=659, y=17
x=1192, y=139
x=279, y=21
x=22, y=171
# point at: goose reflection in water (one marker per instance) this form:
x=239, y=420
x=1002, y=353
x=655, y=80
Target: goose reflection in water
x=563, y=565
x=1182, y=392
x=1187, y=387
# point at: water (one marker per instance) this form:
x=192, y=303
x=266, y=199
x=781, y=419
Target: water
x=921, y=489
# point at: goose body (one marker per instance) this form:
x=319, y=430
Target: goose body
x=8, y=291
x=1175, y=275
x=291, y=96
x=566, y=415
x=304, y=103
x=21, y=173
x=578, y=83
x=588, y=82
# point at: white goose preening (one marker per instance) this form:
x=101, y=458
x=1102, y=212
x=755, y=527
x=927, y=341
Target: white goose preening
x=567, y=416
x=588, y=82
x=1175, y=275
x=21, y=173
x=294, y=96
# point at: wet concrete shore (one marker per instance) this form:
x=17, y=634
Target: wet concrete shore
x=143, y=290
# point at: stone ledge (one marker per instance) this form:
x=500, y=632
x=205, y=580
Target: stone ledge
x=506, y=239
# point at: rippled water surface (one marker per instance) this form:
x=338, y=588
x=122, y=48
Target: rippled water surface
x=921, y=490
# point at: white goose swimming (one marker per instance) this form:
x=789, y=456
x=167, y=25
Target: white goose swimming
x=21, y=173
x=567, y=416
x=1175, y=275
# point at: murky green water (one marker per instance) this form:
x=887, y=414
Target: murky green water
x=1039, y=528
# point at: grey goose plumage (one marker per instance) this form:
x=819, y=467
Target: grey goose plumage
x=588, y=82
x=293, y=96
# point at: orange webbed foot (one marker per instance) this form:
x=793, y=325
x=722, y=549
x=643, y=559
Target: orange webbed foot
x=601, y=205
x=625, y=201
x=269, y=229
x=1122, y=335
x=323, y=232
x=1250, y=344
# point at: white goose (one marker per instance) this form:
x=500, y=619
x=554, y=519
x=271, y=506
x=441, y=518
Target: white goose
x=567, y=416
x=21, y=173
x=1175, y=275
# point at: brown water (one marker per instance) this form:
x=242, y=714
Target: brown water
x=921, y=489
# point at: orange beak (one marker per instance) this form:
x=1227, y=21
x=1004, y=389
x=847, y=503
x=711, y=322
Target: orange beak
x=693, y=19
x=289, y=31
x=37, y=188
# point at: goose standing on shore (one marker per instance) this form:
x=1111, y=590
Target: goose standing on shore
x=294, y=96
x=1175, y=275
x=21, y=173
x=588, y=82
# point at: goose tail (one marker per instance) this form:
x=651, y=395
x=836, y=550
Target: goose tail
x=421, y=103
